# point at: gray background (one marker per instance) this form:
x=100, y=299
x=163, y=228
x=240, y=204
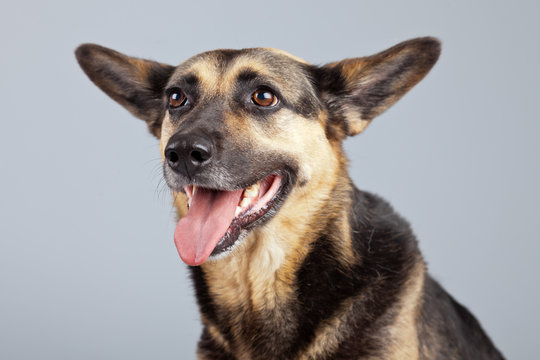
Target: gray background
x=88, y=268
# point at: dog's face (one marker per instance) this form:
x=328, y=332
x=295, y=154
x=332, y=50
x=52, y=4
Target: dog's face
x=246, y=135
x=242, y=129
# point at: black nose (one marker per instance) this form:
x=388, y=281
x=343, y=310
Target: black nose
x=188, y=153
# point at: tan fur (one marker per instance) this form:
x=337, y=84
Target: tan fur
x=328, y=337
x=282, y=52
x=206, y=72
x=355, y=122
x=240, y=64
x=167, y=130
x=344, y=244
x=216, y=335
x=402, y=333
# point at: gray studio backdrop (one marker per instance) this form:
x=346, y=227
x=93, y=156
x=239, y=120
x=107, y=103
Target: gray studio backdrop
x=88, y=267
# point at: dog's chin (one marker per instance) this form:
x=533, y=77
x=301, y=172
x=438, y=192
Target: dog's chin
x=248, y=220
x=219, y=220
x=224, y=251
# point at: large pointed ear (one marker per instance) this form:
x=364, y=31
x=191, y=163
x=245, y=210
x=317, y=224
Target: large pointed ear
x=356, y=90
x=136, y=84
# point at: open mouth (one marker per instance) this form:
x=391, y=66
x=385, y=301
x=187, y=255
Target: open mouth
x=216, y=218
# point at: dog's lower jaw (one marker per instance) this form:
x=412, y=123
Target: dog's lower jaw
x=229, y=250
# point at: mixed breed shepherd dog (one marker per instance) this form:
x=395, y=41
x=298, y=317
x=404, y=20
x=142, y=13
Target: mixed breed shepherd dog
x=289, y=259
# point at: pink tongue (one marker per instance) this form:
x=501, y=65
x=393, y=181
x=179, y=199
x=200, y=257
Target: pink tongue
x=209, y=216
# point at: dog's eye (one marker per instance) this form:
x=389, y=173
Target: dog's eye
x=264, y=97
x=177, y=98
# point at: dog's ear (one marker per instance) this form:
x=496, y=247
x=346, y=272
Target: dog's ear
x=136, y=84
x=356, y=90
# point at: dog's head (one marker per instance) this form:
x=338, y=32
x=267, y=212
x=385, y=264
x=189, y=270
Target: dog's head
x=245, y=134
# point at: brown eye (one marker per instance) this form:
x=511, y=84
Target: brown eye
x=177, y=98
x=265, y=98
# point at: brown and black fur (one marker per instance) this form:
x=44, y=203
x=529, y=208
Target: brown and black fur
x=331, y=272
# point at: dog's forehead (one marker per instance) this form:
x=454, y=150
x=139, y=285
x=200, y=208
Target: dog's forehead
x=218, y=70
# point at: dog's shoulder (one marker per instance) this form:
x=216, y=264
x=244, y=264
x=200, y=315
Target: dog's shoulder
x=447, y=327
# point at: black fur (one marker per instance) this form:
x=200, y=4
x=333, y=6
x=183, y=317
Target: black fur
x=462, y=333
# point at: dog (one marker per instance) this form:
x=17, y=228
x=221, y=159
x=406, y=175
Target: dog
x=288, y=258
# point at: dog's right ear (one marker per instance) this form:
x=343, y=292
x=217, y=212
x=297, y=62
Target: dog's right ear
x=136, y=84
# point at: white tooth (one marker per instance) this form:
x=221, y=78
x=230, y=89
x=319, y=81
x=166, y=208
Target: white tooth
x=252, y=191
x=193, y=190
x=245, y=203
x=238, y=211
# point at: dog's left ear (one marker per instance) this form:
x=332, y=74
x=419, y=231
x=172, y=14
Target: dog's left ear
x=356, y=90
x=136, y=84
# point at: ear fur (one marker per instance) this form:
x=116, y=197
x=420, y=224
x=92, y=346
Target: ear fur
x=136, y=84
x=356, y=90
